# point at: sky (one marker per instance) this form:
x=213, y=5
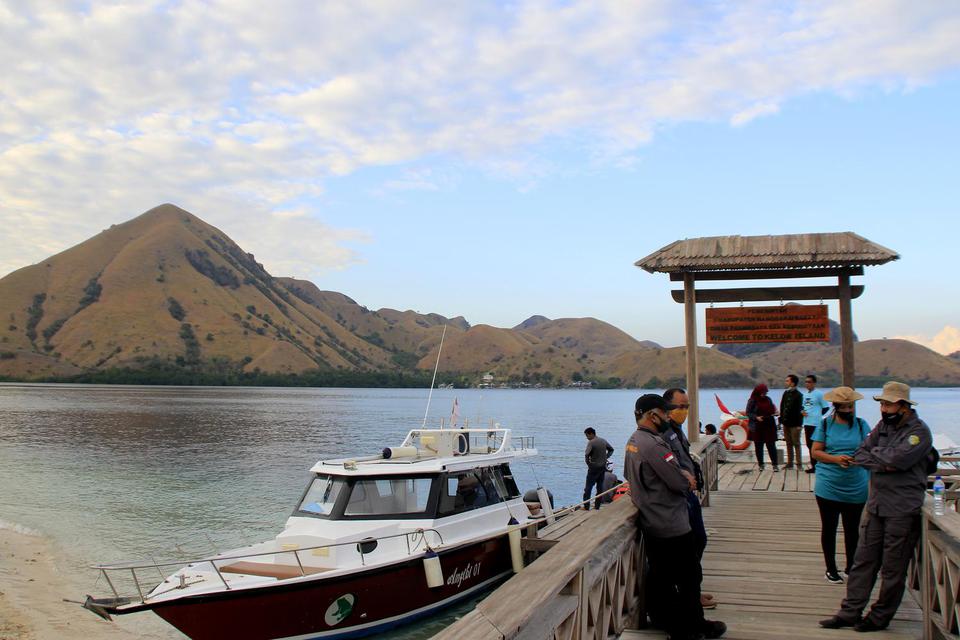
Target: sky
x=496, y=160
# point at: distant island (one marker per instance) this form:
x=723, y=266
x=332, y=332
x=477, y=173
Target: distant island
x=166, y=298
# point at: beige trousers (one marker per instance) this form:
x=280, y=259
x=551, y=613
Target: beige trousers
x=793, y=438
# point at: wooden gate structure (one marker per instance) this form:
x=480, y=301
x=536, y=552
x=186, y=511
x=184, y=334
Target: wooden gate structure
x=781, y=257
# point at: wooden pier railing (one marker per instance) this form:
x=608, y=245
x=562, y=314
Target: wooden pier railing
x=588, y=585
x=935, y=574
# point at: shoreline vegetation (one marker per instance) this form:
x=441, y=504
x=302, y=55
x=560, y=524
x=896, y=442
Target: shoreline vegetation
x=160, y=374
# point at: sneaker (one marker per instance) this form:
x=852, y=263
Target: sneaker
x=776, y=469
x=836, y=622
x=713, y=628
x=810, y=470
x=761, y=468
x=789, y=465
x=867, y=624
x=833, y=576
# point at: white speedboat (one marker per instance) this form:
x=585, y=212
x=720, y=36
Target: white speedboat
x=374, y=542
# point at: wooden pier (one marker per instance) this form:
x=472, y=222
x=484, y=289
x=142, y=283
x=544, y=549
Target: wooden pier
x=763, y=563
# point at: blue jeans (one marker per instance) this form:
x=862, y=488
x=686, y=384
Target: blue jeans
x=594, y=478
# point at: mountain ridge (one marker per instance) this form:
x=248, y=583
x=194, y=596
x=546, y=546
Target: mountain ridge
x=167, y=291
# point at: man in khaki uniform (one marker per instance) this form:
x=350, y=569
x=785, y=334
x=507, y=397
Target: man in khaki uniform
x=897, y=453
x=658, y=488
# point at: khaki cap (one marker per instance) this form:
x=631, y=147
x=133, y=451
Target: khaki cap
x=895, y=392
x=842, y=394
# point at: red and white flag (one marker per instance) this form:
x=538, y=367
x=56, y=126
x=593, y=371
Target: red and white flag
x=455, y=413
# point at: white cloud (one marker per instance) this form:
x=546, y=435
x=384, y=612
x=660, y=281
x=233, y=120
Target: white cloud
x=235, y=111
x=947, y=341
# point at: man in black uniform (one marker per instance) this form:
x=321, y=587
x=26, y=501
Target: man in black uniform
x=658, y=488
x=897, y=452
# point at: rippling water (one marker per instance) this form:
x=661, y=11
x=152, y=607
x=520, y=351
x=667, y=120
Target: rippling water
x=115, y=472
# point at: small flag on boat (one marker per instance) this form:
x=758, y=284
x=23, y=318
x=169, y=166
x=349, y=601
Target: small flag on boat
x=455, y=413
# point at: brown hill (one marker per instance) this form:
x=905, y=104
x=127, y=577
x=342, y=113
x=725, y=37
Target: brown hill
x=166, y=287
x=662, y=368
x=876, y=361
x=400, y=332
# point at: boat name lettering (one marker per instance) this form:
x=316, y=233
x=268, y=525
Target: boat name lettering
x=472, y=570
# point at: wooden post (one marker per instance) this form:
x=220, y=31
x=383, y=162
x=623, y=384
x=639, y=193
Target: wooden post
x=693, y=385
x=846, y=332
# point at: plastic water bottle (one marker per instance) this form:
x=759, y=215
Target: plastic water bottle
x=938, y=490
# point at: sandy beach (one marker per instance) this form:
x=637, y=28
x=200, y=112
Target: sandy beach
x=32, y=592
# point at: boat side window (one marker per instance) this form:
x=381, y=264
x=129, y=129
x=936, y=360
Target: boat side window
x=321, y=495
x=465, y=491
x=505, y=482
x=388, y=496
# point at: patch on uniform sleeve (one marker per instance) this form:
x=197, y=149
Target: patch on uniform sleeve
x=914, y=440
x=668, y=457
x=632, y=448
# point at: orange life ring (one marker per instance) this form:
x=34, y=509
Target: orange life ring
x=733, y=443
x=621, y=491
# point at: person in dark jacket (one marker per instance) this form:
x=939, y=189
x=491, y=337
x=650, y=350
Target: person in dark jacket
x=762, y=428
x=791, y=419
x=677, y=440
x=658, y=488
x=897, y=453
x=596, y=455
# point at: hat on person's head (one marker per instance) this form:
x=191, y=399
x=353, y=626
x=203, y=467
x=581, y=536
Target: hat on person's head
x=650, y=401
x=842, y=395
x=895, y=392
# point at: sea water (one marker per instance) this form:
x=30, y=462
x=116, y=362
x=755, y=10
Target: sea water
x=115, y=473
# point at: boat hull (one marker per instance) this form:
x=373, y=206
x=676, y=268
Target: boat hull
x=347, y=606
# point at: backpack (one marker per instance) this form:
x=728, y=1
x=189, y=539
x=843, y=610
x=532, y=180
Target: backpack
x=860, y=423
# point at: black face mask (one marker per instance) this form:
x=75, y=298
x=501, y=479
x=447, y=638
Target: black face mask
x=846, y=416
x=890, y=419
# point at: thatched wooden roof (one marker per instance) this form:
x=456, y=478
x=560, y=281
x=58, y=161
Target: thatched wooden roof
x=800, y=251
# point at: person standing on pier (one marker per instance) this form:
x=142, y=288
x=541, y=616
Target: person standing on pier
x=677, y=441
x=762, y=429
x=791, y=419
x=814, y=406
x=899, y=454
x=658, y=488
x=596, y=456
x=841, y=488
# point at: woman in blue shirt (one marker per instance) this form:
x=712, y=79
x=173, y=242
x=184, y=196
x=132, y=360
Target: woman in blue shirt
x=841, y=486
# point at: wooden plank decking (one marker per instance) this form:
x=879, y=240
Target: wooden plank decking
x=764, y=563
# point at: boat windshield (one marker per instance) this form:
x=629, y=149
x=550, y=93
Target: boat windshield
x=322, y=495
x=388, y=496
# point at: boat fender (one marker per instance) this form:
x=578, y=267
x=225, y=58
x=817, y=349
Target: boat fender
x=516, y=554
x=432, y=569
x=399, y=452
x=731, y=443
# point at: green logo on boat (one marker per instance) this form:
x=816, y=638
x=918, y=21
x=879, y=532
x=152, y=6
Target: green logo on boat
x=339, y=610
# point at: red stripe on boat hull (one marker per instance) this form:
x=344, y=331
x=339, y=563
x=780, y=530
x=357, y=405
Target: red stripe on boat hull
x=300, y=609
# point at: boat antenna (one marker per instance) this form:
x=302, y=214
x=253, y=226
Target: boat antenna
x=435, y=367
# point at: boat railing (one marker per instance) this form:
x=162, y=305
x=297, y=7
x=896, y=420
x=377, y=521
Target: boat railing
x=471, y=441
x=416, y=542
